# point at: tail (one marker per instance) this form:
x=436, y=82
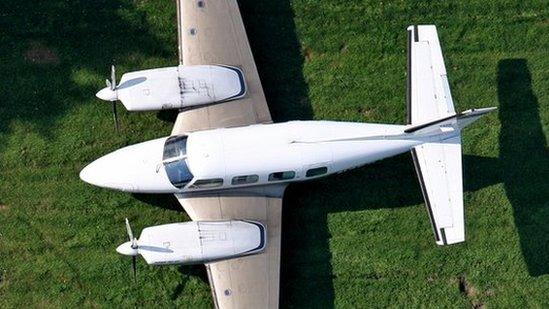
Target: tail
x=431, y=112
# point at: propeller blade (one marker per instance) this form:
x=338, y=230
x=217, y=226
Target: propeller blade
x=129, y=229
x=115, y=118
x=113, y=78
x=134, y=267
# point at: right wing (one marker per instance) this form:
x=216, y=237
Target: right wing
x=250, y=281
x=428, y=95
x=212, y=32
x=438, y=166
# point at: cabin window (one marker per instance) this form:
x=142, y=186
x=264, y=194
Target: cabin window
x=207, y=183
x=246, y=179
x=316, y=171
x=281, y=176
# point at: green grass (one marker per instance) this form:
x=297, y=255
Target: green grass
x=361, y=239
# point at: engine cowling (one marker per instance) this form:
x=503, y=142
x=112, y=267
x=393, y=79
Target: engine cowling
x=177, y=87
x=197, y=242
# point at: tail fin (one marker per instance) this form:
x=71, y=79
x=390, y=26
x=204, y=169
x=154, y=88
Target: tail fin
x=451, y=123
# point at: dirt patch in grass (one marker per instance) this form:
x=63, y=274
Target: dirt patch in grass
x=308, y=54
x=364, y=111
x=40, y=54
x=470, y=292
x=465, y=288
x=3, y=207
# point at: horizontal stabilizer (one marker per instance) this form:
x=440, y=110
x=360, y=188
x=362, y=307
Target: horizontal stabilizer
x=428, y=93
x=438, y=166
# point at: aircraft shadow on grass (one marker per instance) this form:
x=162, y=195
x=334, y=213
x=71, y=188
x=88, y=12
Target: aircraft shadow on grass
x=524, y=162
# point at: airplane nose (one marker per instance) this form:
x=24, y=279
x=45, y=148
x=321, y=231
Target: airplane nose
x=132, y=169
x=106, y=94
x=88, y=174
x=106, y=172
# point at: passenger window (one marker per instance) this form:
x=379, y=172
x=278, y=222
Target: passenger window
x=246, y=179
x=281, y=176
x=316, y=171
x=207, y=183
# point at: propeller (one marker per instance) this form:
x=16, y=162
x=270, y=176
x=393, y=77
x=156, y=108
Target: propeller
x=110, y=93
x=112, y=85
x=133, y=240
x=130, y=248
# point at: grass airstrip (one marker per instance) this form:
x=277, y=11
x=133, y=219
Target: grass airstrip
x=360, y=239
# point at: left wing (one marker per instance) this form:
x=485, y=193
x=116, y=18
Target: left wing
x=250, y=281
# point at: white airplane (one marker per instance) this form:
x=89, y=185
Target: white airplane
x=228, y=165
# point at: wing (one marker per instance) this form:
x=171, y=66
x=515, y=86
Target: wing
x=212, y=32
x=438, y=166
x=251, y=281
x=428, y=93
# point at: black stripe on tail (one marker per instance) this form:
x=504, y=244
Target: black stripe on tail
x=409, y=78
x=425, y=196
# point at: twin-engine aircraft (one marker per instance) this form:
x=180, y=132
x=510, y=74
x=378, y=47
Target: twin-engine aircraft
x=228, y=164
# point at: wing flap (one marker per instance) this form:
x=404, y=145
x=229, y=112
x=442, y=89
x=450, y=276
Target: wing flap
x=438, y=166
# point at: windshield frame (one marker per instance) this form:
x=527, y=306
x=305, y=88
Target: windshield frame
x=174, y=160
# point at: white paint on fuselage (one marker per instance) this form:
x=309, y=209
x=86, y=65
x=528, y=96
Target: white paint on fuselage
x=292, y=146
x=259, y=149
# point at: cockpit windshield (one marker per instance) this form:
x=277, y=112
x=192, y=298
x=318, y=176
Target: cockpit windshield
x=175, y=161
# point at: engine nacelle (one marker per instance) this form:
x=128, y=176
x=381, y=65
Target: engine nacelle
x=177, y=87
x=197, y=242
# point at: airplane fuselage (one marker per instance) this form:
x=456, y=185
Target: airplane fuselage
x=255, y=155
